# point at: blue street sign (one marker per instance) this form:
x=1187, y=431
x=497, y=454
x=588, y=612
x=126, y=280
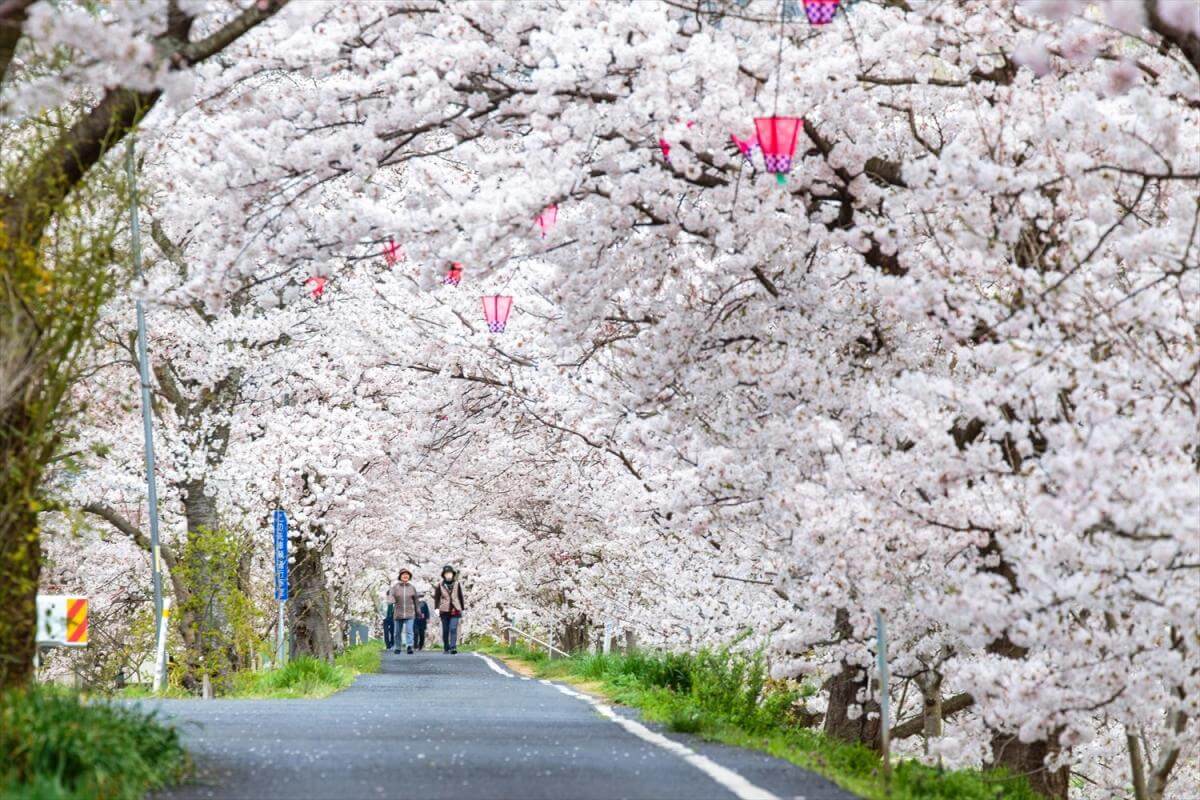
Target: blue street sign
x=281, y=556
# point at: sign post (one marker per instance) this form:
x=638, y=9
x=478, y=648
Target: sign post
x=281, y=577
x=160, y=649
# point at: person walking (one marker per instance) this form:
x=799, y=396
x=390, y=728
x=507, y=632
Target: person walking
x=389, y=624
x=421, y=621
x=448, y=600
x=404, y=609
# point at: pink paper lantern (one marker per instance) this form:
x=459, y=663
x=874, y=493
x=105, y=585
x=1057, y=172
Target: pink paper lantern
x=316, y=285
x=392, y=253
x=495, y=311
x=777, y=138
x=745, y=146
x=547, y=219
x=820, y=12
x=454, y=274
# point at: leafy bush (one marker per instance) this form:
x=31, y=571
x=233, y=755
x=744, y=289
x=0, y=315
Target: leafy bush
x=685, y=718
x=56, y=747
x=736, y=687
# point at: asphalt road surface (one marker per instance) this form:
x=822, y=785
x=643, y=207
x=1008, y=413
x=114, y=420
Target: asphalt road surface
x=433, y=726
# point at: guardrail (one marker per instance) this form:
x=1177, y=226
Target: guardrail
x=550, y=649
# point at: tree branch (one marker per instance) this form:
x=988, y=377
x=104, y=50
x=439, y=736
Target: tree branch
x=1187, y=42
x=62, y=166
x=12, y=20
x=118, y=521
x=912, y=727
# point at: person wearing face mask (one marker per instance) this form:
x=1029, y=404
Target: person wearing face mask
x=448, y=600
x=404, y=609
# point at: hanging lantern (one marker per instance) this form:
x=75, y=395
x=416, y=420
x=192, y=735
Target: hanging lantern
x=665, y=146
x=454, y=274
x=316, y=285
x=392, y=253
x=820, y=12
x=495, y=311
x=777, y=138
x=547, y=219
x=745, y=146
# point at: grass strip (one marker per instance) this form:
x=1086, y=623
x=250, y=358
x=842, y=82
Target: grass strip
x=309, y=678
x=727, y=696
x=301, y=678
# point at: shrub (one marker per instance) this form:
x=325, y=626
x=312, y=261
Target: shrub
x=56, y=746
x=685, y=718
x=736, y=686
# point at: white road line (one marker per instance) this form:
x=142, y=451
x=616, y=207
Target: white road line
x=735, y=783
x=495, y=667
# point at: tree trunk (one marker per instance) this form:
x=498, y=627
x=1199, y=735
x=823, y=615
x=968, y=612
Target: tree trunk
x=26, y=443
x=20, y=566
x=1029, y=759
x=308, y=605
x=211, y=634
x=930, y=685
x=1026, y=758
x=572, y=635
x=846, y=689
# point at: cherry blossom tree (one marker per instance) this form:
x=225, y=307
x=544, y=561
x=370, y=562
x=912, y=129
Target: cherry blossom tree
x=947, y=369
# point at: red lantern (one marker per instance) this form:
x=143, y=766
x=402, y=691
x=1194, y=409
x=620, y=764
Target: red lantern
x=820, y=12
x=777, y=138
x=745, y=146
x=495, y=311
x=454, y=274
x=547, y=219
x=665, y=146
x=317, y=285
x=392, y=253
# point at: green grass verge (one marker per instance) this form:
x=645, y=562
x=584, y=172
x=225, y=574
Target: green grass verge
x=303, y=677
x=57, y=746
x=727, y=697
x=306, y=677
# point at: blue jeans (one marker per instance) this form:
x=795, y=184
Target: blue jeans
x=404, y=635
x=449, y=632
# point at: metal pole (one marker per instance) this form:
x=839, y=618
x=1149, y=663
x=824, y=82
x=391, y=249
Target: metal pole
x=884, y=721
x=144, y=367
x=279, y=650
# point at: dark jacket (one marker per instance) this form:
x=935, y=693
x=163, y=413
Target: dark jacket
x=422, y=615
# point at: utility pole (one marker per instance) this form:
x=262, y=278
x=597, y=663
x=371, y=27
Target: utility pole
x=135, y=235
x=884, y=698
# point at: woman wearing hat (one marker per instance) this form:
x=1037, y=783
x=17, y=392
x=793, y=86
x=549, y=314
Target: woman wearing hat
x=448, y=600
x=404, y=608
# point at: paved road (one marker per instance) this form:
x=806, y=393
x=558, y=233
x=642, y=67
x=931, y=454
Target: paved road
x=433, y=726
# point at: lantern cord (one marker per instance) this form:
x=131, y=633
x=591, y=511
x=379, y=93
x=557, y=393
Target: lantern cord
x=779, y=59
